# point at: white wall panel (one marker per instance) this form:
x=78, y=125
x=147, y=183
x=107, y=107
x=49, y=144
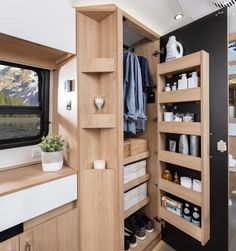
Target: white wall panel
x=47, y=22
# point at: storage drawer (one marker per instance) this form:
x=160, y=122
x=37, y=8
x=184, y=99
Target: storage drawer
x=134, y=171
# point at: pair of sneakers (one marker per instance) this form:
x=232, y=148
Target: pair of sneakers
x=130, y=240
x=139, y=224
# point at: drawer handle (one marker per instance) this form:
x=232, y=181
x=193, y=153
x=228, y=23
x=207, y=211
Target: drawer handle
x=29, y=246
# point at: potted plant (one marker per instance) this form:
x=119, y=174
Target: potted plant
x=52, y=153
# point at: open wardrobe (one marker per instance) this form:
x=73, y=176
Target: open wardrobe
x=129, y=133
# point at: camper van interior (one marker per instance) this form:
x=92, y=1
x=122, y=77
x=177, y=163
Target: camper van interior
x=118, y=125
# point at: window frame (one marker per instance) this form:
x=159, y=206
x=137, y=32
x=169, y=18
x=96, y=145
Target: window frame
x=42, y=109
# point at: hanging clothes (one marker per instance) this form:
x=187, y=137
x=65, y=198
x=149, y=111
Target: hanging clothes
x=146, y=77
x=134, y=97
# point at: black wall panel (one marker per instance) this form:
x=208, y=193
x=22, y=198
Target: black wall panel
x=209, y=34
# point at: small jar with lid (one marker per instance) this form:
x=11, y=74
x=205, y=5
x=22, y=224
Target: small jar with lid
x=167, y=87
x=187, y=212
x=167, y=175
x=174, y=86
x=196, y=216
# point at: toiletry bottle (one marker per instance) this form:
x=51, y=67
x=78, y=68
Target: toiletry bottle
x=167, y=88
x=193, y=81
x=183, y=144
x=187, y=212
x=183, y=82
x=174, y=86
x=176, y=178
x=194, y=145
x=196, y=216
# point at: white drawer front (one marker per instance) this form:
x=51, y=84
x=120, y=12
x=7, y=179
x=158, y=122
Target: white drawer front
x=24, y=205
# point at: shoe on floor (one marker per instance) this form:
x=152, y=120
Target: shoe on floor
x=131, y=237
x=148, y=223
x=127, y=244
x=134, y=224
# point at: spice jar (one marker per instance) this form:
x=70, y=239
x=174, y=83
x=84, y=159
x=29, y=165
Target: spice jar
x=167, y=175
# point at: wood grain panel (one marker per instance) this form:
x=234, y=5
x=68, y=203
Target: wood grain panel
x=21, y=51
x=181, y=192
x=180, y=223
x=180, y=65
x=179, y=159
x=12, y=244
x=99, y=65
x=98, y=210
x=190, y=128
x=187, y=95
x=18, y=179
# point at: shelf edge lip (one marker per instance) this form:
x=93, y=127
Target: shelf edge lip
x=165, y=186
x=142, y=180
x=196, y=167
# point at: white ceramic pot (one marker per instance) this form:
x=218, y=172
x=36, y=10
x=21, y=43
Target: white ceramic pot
x=52, y=161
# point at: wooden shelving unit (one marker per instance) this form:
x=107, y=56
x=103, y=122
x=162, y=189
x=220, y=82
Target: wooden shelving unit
x=199, y=62
x=136, y=207
x=137, y=157
x=138, y=181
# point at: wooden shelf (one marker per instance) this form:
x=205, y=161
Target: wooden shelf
x=189, y=128
x=136, y=207
x=14, y=49
x=181, y=64
x=15, y=180
x=98, y=121
x=180, y=96
x=179, y=159
x=154, y=236
x=181, y=224
x=134, y=158
x=133, y=183
x=99, y=65
x=181, y=192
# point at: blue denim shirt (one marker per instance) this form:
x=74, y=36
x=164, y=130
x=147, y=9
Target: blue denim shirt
x=134, y=111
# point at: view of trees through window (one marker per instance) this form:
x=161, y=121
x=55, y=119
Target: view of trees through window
x=19, y=88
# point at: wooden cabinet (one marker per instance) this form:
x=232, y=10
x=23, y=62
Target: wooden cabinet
x=101, y=33
x=58, y=234
x=10, y=245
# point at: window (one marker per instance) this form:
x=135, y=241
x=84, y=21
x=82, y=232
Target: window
x=24, y=104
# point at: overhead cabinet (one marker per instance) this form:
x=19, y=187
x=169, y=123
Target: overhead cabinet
x=101, y=33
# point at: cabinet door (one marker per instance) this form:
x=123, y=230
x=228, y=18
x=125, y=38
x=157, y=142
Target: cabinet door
x=10, y=245
x=58, y=234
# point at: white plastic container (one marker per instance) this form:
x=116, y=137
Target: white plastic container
x=193, y=81
x=134, y=196
x=135, y=170
x=183, y=82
